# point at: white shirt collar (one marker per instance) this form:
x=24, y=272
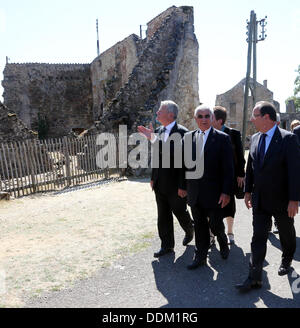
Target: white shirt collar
x=206, y=132
x=169, y=127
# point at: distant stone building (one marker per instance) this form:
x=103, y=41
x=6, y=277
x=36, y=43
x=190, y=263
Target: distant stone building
x=290, y=115
x=233, y=101
x=124, y=85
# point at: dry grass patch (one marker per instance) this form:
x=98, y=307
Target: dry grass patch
x=47, y=242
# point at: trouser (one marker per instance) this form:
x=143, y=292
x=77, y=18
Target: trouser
x=261, y=226
x=202, y=226
x=168, y=203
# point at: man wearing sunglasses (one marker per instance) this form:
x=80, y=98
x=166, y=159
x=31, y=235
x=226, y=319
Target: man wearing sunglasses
x=209, y=193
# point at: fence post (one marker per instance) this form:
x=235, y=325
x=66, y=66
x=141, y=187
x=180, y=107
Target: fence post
x=67, y=157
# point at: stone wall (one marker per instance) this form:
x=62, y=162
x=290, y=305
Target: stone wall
x=124, y=85
x=53, y=98
x=12, y=128
x=110, y=71
x=157, y=21
x=167, y=69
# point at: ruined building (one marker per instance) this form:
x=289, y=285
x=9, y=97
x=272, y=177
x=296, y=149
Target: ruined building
x=233, y=101
x=124, y=85
x=12, y=128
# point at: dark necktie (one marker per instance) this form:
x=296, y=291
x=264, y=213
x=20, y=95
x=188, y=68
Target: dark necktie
x=261, y=149
x=162, y=132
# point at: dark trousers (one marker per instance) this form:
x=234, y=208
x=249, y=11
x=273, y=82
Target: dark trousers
x=168, y=203
x=262, y=221
x=202, y=226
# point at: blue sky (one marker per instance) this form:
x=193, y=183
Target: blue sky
x=64, y=31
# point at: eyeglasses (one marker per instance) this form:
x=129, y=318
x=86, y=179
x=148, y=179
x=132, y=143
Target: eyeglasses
x=203, y=116
x=255, y=115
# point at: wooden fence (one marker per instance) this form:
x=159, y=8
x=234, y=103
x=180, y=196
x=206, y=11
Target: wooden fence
x=32, y=166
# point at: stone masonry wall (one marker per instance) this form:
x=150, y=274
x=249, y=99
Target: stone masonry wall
x=57, y=97
x=167, y=69
x=110, y=71
x=124, y=85
x=12, y=128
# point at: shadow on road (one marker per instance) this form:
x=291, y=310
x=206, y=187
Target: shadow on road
x=212, y=286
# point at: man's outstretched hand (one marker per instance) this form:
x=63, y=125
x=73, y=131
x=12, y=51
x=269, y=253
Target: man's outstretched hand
x=146, y=132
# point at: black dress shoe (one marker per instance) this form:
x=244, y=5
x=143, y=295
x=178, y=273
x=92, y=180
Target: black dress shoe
x=284, y=269
x=197, y=262
x=249, y=284
x=224, y=251
x=188, y=238
x=163, y=251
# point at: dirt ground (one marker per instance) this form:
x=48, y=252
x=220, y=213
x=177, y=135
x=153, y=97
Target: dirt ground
x=49, y=241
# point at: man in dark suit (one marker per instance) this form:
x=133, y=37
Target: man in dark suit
x=219, y=120
x=271, y=189
x=166, y=181
x=210, y=192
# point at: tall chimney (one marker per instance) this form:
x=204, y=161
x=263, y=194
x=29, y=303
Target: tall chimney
x=265, y=83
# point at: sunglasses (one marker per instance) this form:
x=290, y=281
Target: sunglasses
x=203, y=116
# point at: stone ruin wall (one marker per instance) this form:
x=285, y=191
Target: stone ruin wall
x=158, y=21
x=12, y=128
x=56, y=95
x=12, y=131
x=167, y=69
x=124, y=85
x=110, y=71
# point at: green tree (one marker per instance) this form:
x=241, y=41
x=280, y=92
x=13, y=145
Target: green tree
x=296, y=96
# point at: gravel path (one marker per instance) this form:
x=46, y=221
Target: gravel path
x=141, y=281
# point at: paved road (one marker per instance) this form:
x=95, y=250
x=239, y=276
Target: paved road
x=141, y=281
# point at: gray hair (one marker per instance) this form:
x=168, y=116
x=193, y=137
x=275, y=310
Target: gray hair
x=203, y=108
x=171, y=107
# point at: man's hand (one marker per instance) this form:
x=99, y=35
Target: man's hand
x=182, y=193
x=224, y=200
x=240, y=181
x=247, y=200
x=148, y=133
x=151, y=184
x=293, y=208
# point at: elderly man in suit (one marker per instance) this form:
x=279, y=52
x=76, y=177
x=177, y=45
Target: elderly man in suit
x=166, y=181
x=210, y=192
x=271, y=189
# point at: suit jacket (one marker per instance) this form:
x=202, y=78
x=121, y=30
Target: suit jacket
x=238, y=154
x=297, y=131
x=278, y=180
x=167, y=179
x=218, y=175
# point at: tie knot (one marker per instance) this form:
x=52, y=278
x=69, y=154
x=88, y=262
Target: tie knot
x=264, y=135
x=164, y=129
x=202, y=133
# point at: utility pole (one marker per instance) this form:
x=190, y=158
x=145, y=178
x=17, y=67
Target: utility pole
x=246, y=91
x=141, y=31
x=254, y=59
x=252, y=41
x=256, y=39
x=98, y=49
